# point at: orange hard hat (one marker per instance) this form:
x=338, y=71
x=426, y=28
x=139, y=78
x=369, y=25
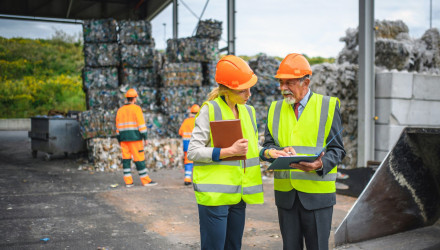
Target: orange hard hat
x=195, y=108
x=294, y=66
x=131, y=93
x=234, y=73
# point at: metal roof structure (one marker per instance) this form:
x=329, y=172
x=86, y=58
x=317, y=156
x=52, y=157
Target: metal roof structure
x=82, y=9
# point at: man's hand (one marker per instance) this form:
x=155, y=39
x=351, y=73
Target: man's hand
x=309, y=166
x=290, y=151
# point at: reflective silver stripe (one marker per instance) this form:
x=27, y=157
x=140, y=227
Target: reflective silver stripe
x=276, y=121
x=142, y=126
x=143, y=130
x=253, y=189
x=126, y=129
x=252, y=162
x=187, y=133
x=143, y=171
x=311, y=176
x=322, y=121
x=186, y=139
x=217, y=111
x=249, y=109
x=306, y=150
x=281, y=174
x=223, y=163
x=127, y=170
x=127, y=174
x=218, y=188
x=127, y=123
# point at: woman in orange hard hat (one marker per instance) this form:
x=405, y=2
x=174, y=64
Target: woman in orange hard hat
x=185, y=131
x=131, y=131
x=223, y=188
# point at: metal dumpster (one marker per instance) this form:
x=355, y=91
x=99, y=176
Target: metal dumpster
x=54, y=135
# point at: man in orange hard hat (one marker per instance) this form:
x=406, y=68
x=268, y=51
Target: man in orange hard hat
x=131, y=132
x=303, y=123
x=185, y=131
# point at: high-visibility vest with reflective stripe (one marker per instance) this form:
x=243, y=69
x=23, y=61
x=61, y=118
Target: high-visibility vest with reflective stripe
x=227, y=182
x=307, y=136
x=185, y=131
x=130, y=123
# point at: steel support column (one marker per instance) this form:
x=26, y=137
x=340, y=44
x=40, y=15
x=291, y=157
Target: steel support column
x=175, y=20
x=231, y=27
x=365, y=150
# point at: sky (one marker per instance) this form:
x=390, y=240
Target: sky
x=276, y=27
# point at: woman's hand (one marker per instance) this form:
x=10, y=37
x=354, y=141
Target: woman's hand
x=240, y=147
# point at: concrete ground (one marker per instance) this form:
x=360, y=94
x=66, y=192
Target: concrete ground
x=53, y=205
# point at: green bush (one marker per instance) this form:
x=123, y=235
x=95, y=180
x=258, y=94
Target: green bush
x=37, y=76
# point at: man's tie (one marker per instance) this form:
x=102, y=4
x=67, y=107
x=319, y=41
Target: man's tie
x=295, y=107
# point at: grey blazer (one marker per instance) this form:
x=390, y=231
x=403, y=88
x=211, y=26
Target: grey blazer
x=334, y=155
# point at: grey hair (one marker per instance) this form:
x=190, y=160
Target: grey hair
x=301, y=80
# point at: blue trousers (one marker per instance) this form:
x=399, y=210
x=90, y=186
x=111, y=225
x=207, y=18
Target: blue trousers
x=221, y=227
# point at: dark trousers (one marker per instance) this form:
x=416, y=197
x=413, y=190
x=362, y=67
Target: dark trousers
x=298, y=224
x=221, y=227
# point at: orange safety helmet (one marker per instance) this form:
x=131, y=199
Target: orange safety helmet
x=131, y=93
x=195, y=108
x=234, y=73
x=294, y=66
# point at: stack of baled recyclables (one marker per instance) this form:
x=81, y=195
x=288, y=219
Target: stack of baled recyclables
x=120, y=55
x=189, y=71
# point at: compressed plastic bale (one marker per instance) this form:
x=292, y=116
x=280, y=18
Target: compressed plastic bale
x=177, y=99
x=100, y=78
x=138, y=76
x=101, y=54
x=105, y=99
x=97, y=123
x=164, y=153
x=137, y=55
x=156, y=125
x=182, y=74
x=173, y=125
x=341, y=81
x=135, y=32
x=392, y=54
x=265, y=68
x=208, y=71
x=210, y=28
x=192, y=49
x=395, y=49
x=100, y=31
x=105, y=154
x=148, y=98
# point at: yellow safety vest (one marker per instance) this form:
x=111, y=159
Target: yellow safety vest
x=307, y=136
x=228, y=182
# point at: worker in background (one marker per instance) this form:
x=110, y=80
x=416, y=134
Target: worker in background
x=302, y=123
x=223, y=188
x=185, y=131
x=131, y=133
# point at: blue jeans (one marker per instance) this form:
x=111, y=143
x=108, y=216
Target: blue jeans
x=221, y=227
